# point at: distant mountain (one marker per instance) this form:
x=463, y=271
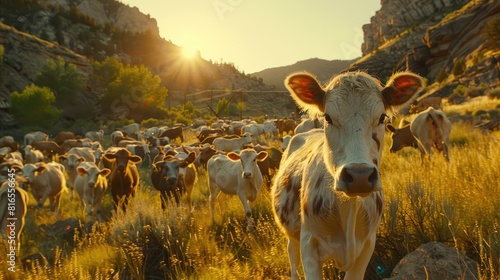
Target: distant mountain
x=323, y=69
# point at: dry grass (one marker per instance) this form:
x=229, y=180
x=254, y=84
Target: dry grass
x=455, y=203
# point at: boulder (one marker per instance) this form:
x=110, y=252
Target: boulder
x=435, y=260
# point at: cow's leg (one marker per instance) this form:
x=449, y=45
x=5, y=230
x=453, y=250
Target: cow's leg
x=248, y=210
x=214, y=194
x=294, y=256
x=310, y=255
x=446, y=152
x=361, y=263
x=164, y=198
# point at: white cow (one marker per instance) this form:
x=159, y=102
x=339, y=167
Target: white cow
x=270, y=129
x=90, y=185
x=95, y=136
x=432, y=128
x=32, y=155
x=131, y=129
x=327, y=194
x=31, y=137
x=234, y=144
x=236, y=174
x=72, y=159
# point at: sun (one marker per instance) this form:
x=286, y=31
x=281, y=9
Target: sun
x=189, y=52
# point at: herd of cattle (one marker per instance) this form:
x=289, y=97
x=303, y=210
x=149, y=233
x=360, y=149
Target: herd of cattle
x=326, y=193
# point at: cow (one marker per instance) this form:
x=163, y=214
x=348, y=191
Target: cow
x=90, y=185
x=327, y=195
x=205, y=133
x=48, y=148
x=285, y=141
x=402, y=137
x=141, y=150
x=174, y=176
x=113, y=135
x=32, y=155
x=124, y=177
x=72, y=159
x=255, y=129
x=63, y=136
x=12, y=222
x=117, y=139
x=426, y=102
x=46, y=181
x=285, y=126
x=308, y=124
x=31, y=137
x=229, y=145
x=270, y=129
x=204, y=155
x=131, y=129
x=173, y=133
x=8, y=141
x=432, y=128
x=95, y=136
x=236, y=174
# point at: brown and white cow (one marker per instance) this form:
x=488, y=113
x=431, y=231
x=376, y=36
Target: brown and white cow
x=124, y=177
x=327, y=195
x=236, y=174
x=432, y=128
x=90, y=185
x=426, y=102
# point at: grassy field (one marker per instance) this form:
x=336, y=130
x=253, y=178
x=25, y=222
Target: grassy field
x=456, y=203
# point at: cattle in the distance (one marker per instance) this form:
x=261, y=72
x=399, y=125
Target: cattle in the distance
x=63, y=136
x=46, y=181
x=32, y=155
x=173, y=176
x=48, y=148
x=90, y=185
x=8, y=141
x=124, y=177
x=432, y=128
x=234, y=144
x=130, y=129
x=285, y=126
x=426, y=102
x=205, y=133
x=327, y=195
x=95, y=136
x=236, y=174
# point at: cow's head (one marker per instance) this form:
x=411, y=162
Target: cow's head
x=248, y=159
x=401, y=137
x=121, y=158
x=355, y=107
x=92, y=172
x=30, y=171
x=71, y=161
x=172, y=168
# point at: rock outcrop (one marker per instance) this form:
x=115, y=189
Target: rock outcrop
x=435, y=260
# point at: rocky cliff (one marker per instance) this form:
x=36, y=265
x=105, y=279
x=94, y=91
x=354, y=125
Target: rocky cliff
x=429, y=37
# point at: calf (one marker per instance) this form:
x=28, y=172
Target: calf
x=124, y=176
x=402, y=137
x=327, y=195
x=432, y=128
x=72, y=159
x=90, y=186
x=174, y=176
x=46, y=181
x=236, y=174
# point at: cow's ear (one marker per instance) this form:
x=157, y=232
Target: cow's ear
x=401, y=89
x=261, y=156
x=105, y=172
x=391, y=128
x=233, y=156
x=81, y=159
x=40, y=169
x=135, y=159
x=157, y=165
x=81, y=170
x=109, y=156
x=191, y=157
x=306, y=92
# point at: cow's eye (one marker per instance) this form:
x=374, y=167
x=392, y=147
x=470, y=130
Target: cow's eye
x=328, y=119
x=383, y=118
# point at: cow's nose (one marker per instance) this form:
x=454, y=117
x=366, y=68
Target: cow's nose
x=171, y=180
x=359, y=179
x=247, y=175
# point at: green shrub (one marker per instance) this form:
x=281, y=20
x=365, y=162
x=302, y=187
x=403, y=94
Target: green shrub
x=459, y=67
x=150, y=122
x=460, y=89
x=33, y=106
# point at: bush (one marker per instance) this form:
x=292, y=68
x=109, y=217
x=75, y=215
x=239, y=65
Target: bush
x=441, y=76
x=459, y=67
x=150, y=122
x=460, y=90
x=33, y=106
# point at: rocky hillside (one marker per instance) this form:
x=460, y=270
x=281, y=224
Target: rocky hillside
x=79, y=31
x=430, y=37
x=323, y=69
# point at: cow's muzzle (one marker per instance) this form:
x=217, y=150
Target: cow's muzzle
x=247, y=175
x=359, y=180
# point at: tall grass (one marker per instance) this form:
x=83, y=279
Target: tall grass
x=452, y=202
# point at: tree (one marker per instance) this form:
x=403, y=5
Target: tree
x=223, y=107
x=33, y=106
x=107, y=71
x=135, y=94
x=62, y=78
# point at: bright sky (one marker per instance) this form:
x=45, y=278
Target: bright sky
x=260, y=34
